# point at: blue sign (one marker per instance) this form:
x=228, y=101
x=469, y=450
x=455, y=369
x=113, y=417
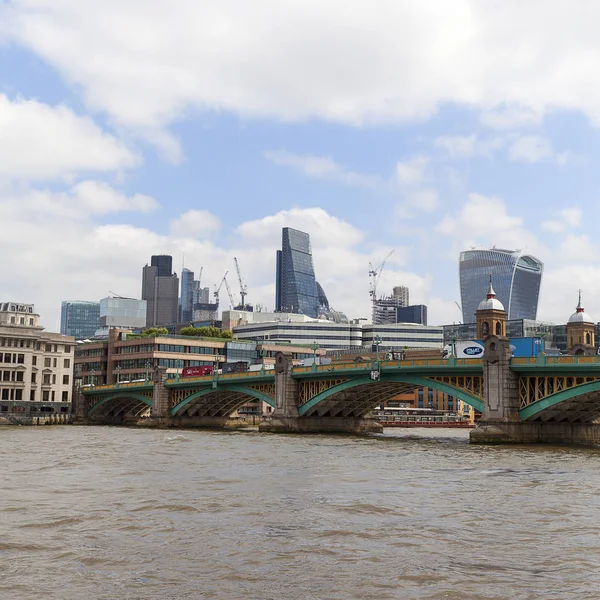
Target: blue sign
x=473, y=350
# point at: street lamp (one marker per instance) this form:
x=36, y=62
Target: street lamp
x=92, y=378
x=314, y=347
x=118, y=370
x=147, y=369
x=377, y=341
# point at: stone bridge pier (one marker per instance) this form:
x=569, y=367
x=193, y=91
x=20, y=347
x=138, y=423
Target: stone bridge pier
x=286, y=417
x=502, y=422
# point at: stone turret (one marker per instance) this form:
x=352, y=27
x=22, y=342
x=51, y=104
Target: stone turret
x=490, y=316
x=581, y=332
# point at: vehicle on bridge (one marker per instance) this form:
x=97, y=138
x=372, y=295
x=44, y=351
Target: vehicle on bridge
x=197, y=371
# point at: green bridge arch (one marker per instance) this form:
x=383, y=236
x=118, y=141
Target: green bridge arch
x=535, y=408
x=229, y=388
x=123, y=396
x=415, y=380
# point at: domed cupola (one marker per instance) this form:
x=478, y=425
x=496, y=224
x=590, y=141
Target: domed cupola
x=490, y=316
x=581, y=331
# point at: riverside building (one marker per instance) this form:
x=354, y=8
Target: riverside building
x=79, y=318
x=160, y=289
x=36, y=368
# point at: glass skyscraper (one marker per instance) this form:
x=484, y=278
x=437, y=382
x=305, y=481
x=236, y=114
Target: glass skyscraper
x=516, y=278
x=187, y=295
x=79, y=318
x=297, y=290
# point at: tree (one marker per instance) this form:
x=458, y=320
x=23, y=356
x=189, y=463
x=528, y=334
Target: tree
x=209, y=331
x=154, y=331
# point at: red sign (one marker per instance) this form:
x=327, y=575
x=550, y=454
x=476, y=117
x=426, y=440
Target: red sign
x=196, y=371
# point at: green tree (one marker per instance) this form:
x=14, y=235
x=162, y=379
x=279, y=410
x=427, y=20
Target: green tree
x=154, y=331
x=209, y=331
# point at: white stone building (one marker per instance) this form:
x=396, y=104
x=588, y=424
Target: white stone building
x=36, y=367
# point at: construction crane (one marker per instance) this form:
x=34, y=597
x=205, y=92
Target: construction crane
x=243, y=288
x=218, y=289
x=231, y=302
x=374, y=275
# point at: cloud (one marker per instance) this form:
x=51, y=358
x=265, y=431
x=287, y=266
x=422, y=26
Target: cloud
x=468, y=146
x=38, y=141
x=531, y=149
x=195, y=223
x=323, y=167
x=400, y=62
x=411, y=172
x=568, y=218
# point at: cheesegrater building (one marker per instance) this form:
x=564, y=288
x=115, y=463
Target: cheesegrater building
x=517, y=278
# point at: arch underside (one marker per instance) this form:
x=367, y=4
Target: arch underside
x=583, y=408
x=120, y=407
x=220, y=403
x=360, y=399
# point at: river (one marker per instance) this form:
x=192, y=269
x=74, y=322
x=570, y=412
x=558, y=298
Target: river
x=112, y=513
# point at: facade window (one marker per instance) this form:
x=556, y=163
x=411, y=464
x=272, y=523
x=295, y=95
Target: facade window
x=6, y=376
x=48, y=348
x=65, y=380
x=31, y=322
x=65, y=396
x=47, y=362
x=19, y=375
x=53, y=394
x=54, y=363
x=67, y=363
x=22, y=321
x=21, y=358
x=67, y=349
x=33, y=377
x=46, y=379
x=32, y=395
x=45, y=395
x=5, y=394
x=18, y=394
x=53, y=378
x=34, y=360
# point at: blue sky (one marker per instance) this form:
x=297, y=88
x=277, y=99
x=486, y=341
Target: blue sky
x=132, y=127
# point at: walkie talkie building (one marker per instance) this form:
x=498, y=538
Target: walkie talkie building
x=516, y=276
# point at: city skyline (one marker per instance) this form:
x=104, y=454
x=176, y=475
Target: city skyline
x=101, y=170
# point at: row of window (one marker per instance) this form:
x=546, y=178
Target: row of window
x=47, y=395
x=180, y=364
x=190, y=349
x=91, y=352
x=135, y=349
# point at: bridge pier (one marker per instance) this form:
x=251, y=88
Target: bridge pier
x=286, y=418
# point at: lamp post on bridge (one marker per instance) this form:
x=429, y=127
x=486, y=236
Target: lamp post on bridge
x=262, y=360
x=376, y=368
x=147, y=365
x=314, y=347
x=376, y=342
x=118, y=370
x=93, y=377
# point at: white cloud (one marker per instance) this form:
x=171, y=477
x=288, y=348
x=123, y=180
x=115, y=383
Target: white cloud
x=531, y=149
x=195, y=223
x=568, y=218
x=468, y=146
x=397, y=62
x=426, y=200
x=511, y=117
x=411, y=172
x=322, y=167
x=38, y=141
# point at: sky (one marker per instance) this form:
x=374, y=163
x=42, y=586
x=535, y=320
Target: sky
x=200, y=129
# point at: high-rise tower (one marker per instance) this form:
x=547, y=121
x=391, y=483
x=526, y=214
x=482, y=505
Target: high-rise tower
x=160, y=289
x=187, y=295
x=297, y=290
x=517, y=278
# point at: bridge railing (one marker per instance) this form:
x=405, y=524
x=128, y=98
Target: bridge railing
x=368, y=365
x=116, y=386
x=542, y=359
x=221, y=377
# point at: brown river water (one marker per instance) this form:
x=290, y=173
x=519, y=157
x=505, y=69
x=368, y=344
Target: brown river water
x=111, y=513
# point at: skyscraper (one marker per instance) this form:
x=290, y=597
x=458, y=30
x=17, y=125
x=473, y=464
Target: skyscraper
x=297, y=290
x=385, y=308
x=187, y=295
x=517, y=278
x=161, y=291
x=79, y=318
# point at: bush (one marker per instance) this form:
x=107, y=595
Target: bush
x=154, y=331
x=209, y=331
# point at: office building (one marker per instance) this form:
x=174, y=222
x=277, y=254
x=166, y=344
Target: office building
x=160, y=289
x=385, y=308
x=36, y=367
x=401, y=336
x=297, y=290
x=163, y=264
x=121, y=313
x=416, y=313
x=187, y=296
x=79, y=318
x=517, y=278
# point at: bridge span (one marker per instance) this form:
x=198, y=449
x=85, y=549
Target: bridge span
x=523, y=400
